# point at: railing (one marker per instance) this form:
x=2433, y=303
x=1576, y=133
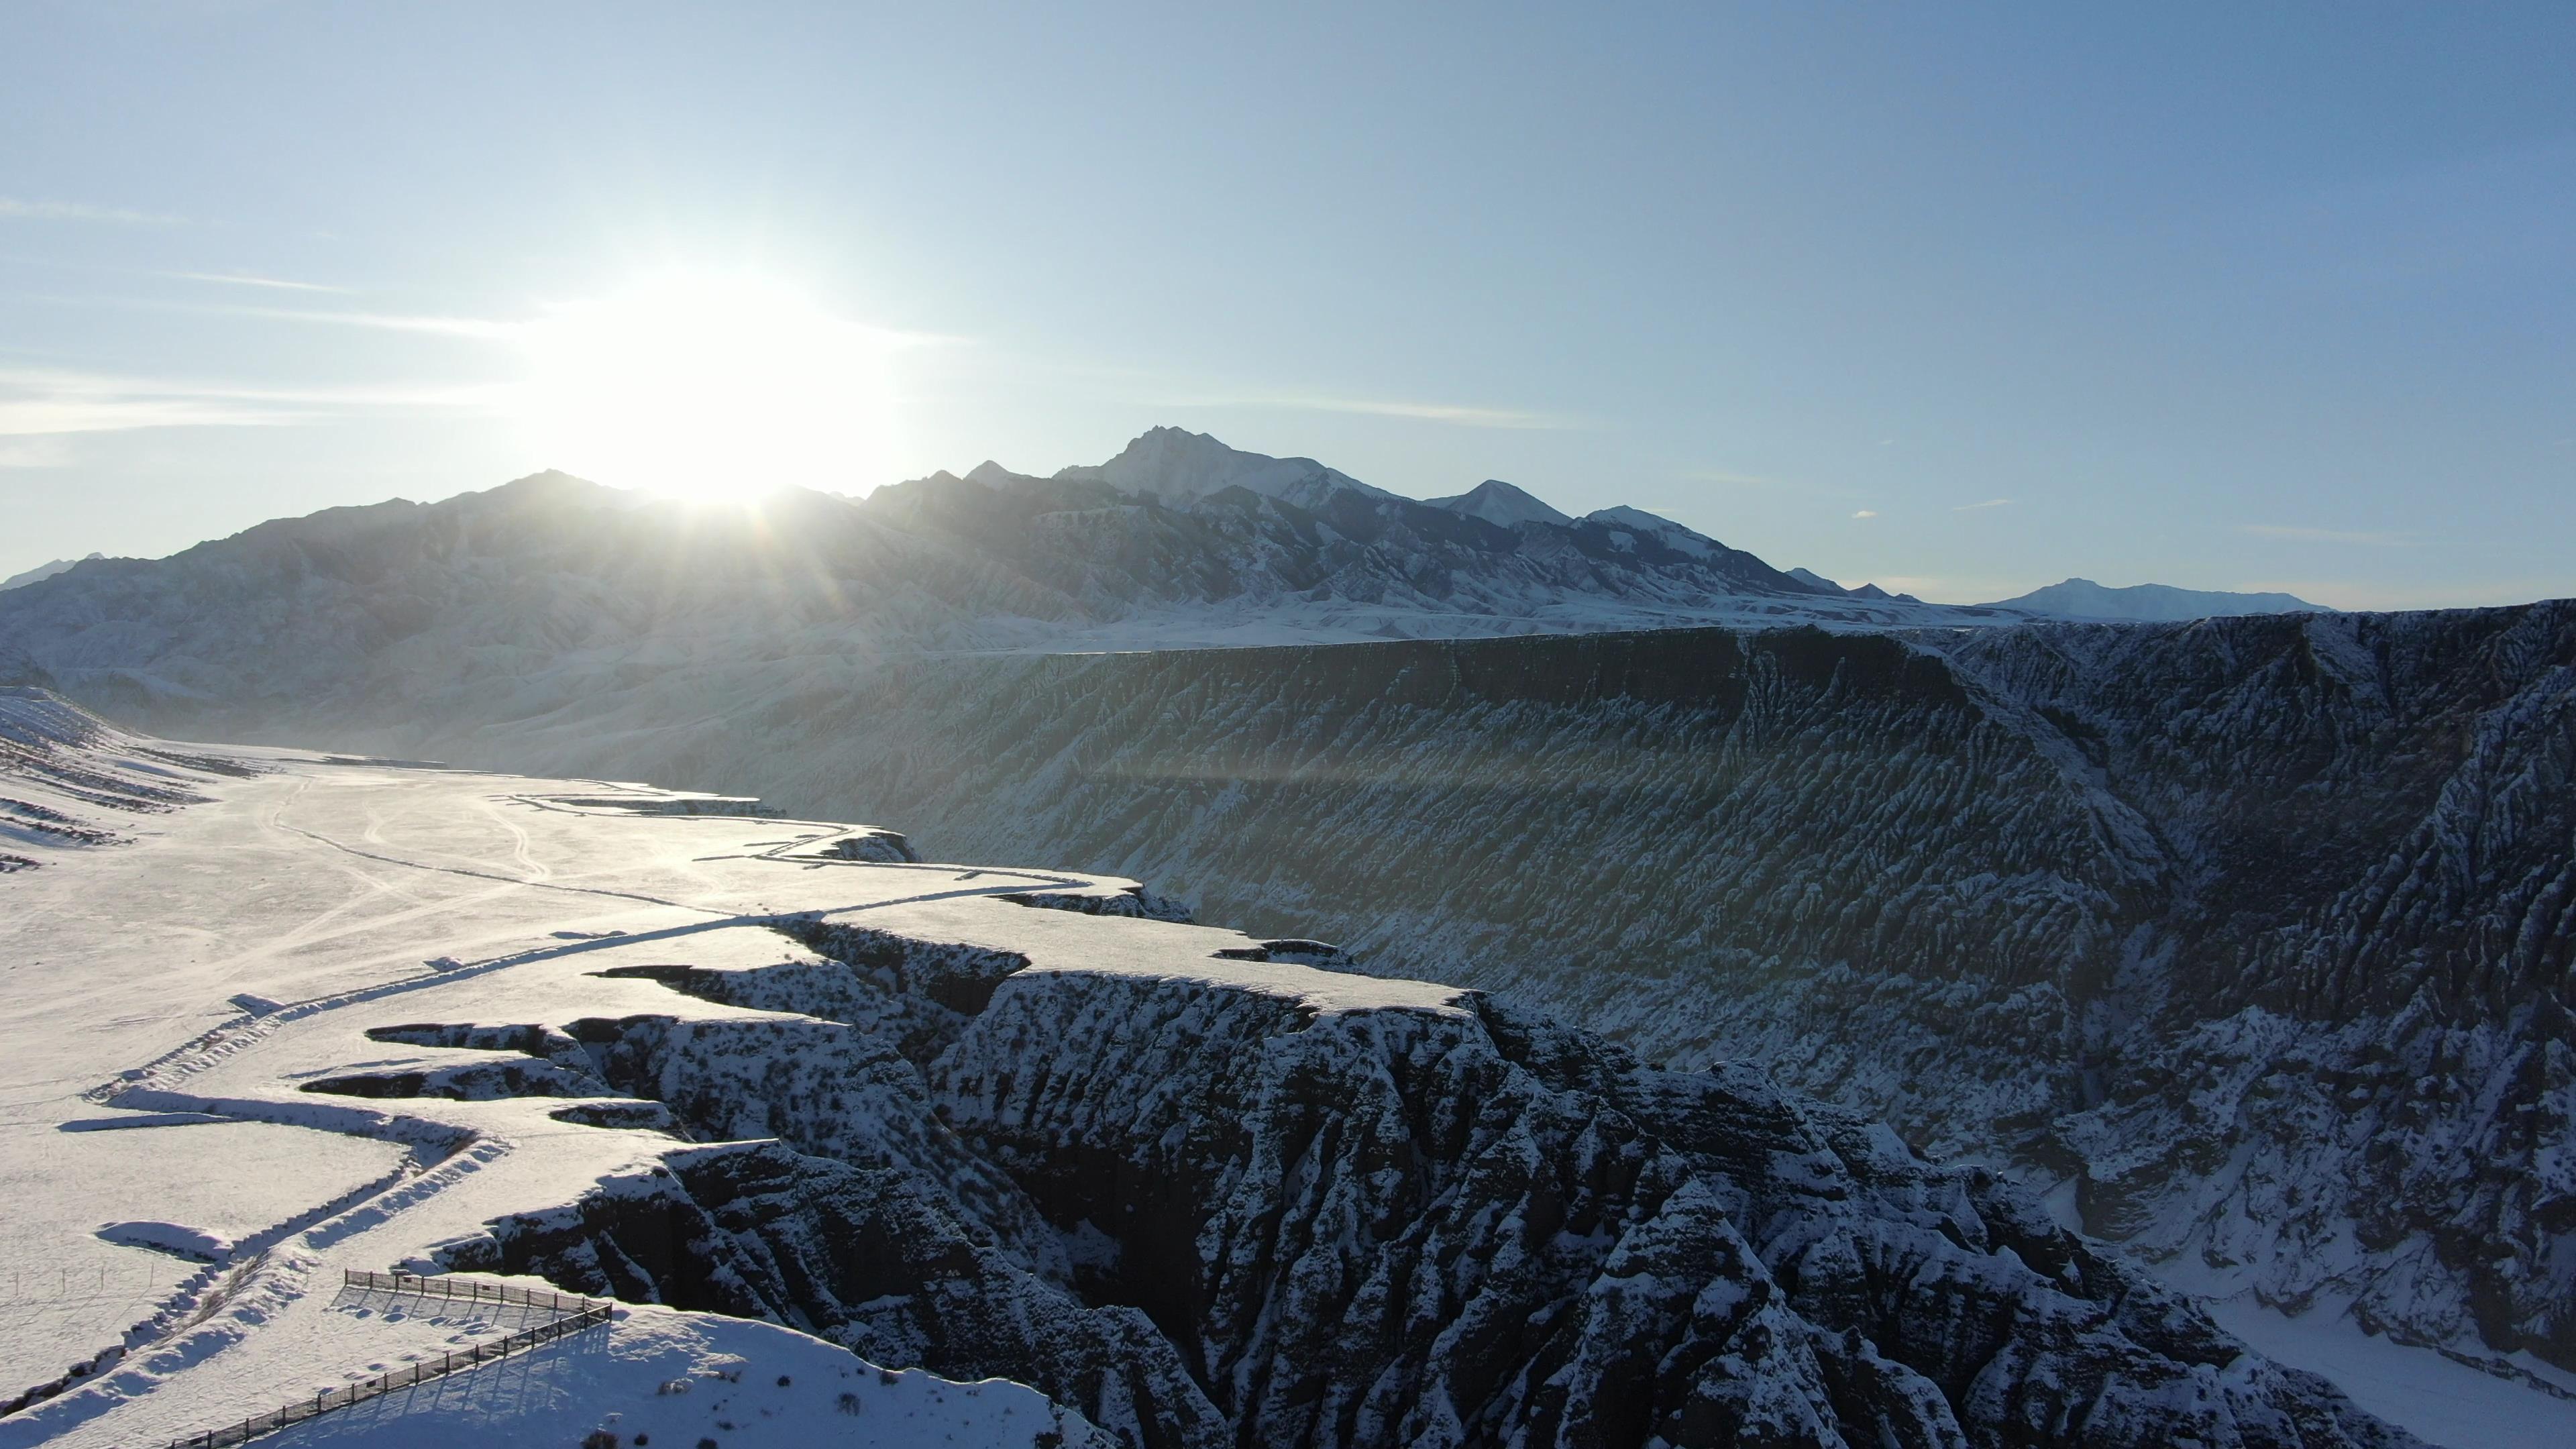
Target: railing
x=579, y=1313
x=467, y=1290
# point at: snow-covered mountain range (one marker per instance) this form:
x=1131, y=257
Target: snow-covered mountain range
x=1179, y=539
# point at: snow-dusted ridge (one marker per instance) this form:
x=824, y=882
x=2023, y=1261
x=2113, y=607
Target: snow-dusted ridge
x=504, y=603
x=777, y=1098
x=2085, y=599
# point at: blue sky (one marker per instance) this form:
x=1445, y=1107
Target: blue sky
x=1963, y=299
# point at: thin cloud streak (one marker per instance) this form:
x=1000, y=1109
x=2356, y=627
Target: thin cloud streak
x=1866, y=513
x=26, y=210
x=240, y=279
x=1509, y=419
x=1973, y=507
x=39, y=403
x=478, y=328
x=2325, y=535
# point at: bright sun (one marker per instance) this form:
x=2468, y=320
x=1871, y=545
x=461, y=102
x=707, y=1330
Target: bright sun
x=709, y=388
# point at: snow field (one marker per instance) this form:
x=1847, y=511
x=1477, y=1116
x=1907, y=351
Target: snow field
x=172, y=998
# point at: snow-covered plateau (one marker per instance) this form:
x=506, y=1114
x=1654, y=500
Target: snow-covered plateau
x=875, y=1149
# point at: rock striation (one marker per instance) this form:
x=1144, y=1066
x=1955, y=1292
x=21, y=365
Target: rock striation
x=1213, y=1213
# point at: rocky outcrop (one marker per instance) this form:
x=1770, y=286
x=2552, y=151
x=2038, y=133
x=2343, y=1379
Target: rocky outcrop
x=1226, y=1214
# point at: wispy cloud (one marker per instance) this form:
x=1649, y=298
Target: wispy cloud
x=1973, y=507
x=1866, y=513
x=51, y=452
x=25, y=210
x=1722, y=475
x=481, y=328
x=1456, y=415
x=241, y=279
x=43, y=403
x=2325, y=535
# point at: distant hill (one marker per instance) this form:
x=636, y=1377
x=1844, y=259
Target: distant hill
x=1873, y=592
x=41, y=572
x=2085, y=599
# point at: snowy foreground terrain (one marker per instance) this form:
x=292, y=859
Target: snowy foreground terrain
x=177, y=1213
x=776, y=1087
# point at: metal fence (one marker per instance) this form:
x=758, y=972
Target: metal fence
x=467, y=1290
x=578, y=1314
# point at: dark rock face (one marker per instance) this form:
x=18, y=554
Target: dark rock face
x=1234, y=1217
x=877, y=1260
x=1416, y=1228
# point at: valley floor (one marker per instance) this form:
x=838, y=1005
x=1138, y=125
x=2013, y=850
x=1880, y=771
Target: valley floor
x=2449, y=1403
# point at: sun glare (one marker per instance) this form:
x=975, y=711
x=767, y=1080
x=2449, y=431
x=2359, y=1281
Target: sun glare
x=709, y=389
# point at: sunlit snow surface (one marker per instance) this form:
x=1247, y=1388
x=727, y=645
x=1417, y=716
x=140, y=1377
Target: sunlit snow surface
x=189, y=981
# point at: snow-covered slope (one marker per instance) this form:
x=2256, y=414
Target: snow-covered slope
x=1184, y=467
x=2085, y=599
x=779, y=1089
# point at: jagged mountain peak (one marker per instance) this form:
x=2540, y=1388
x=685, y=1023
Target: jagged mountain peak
x=988, y=473
x=1871, y=592
x=548, y=480
x=1181, y=466
x=1498, y=502
x=44, y=571
x=1672, y=535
